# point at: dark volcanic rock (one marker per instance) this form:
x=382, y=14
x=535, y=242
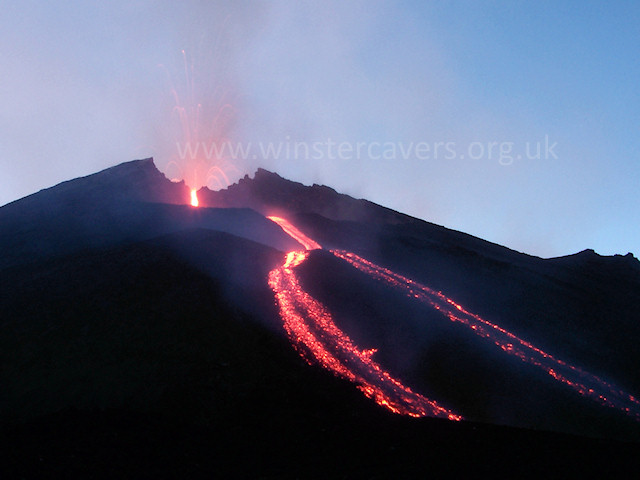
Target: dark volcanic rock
x=129, y=202
x=271, y=194
x=139, y=338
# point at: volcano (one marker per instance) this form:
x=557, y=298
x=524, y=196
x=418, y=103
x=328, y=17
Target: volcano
x=274, y=329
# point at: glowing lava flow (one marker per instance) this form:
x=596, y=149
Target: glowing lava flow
x=296, y=234
x=194, y=198
x=584, y=383
x=315, y=336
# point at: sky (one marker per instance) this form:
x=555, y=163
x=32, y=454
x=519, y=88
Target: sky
x=517, y=122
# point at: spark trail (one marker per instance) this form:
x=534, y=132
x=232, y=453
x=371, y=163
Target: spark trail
x=583, y=382
x=201, y=119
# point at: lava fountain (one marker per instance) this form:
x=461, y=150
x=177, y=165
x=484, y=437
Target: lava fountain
x=194, y=198
x=202, y=119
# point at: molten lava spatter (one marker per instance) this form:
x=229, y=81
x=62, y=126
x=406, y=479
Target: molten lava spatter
x=194, y=198
x=201, y=121
x=316, y=337
x=584, y=383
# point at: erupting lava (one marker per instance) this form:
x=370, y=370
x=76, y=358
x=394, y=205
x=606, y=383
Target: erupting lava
x=315, y=336
x=194, y=198
x=200, y=121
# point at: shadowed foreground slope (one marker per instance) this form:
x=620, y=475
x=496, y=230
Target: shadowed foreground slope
x=140, y=338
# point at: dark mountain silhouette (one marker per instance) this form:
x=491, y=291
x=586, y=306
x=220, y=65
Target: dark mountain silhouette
x=583, y=306
x=130, y=202
x=139, y=337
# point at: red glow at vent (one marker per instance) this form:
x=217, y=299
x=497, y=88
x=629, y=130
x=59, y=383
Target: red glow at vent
x=194, y=198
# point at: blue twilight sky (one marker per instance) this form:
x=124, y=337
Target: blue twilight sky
x=518, y=122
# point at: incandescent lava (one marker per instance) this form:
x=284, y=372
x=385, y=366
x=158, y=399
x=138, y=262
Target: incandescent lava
x=317, y=339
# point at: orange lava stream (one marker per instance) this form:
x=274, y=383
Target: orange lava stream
x=296, y=234
x=317, y=339
x=584, y=383
x=315, y=336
